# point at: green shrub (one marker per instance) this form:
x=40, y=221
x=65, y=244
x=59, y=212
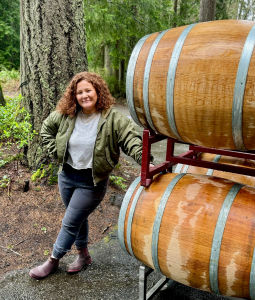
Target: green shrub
x=118, y=181
x=14, y=122
x=6, y=75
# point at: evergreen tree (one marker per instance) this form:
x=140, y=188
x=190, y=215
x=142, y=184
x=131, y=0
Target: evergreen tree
x=52, y=52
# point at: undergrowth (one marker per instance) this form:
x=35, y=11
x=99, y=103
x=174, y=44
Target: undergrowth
x=6, y=75
x=14, y=123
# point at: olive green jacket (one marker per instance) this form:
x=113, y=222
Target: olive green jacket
x=114, y=131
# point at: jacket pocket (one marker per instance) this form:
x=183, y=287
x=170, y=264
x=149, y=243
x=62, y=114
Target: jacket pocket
x=108, y=157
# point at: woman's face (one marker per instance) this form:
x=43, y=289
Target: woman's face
x=86, y=96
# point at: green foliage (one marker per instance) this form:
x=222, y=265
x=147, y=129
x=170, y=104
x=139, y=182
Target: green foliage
x=6, y=75
x=117, y=167
x=46, y=252
x=14, y=122
x=9, y=34
x=118, y=181
x=44, y=229
x=10, y=158
x=5, y=181
x=115, y=27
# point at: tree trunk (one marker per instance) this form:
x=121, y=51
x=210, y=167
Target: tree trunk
x=107, y=60
x=52, y=52
x=2, y=100
x=207, y=10
x=175, y=12
x=121, y=76
x=183, y=12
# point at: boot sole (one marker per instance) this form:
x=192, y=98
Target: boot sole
x=37, y=277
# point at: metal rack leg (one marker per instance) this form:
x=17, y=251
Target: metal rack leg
x=144, y=272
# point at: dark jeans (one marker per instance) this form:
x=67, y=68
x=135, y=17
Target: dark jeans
x=81, y=198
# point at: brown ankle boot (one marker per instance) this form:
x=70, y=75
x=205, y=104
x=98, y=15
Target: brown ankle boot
x=45, y=269
x=81, y=260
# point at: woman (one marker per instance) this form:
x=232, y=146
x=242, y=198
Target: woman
x=85, y=132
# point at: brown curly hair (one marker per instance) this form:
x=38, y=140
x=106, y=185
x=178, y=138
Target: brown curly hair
x=68, y=104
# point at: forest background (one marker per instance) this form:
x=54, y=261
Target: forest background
x=114, y=27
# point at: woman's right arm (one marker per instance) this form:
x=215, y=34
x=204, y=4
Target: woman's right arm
x=49, y=131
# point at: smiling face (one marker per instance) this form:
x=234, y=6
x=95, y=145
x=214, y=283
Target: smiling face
x=86, y=96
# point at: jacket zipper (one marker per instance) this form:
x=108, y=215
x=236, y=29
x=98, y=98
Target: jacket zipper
x=94, y=155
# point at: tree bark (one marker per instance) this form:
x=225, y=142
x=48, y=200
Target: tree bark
x=207, y=10
x=2, y=100
x=107, y=60
x=52, y=52
x=121, y=75
x=175, y=12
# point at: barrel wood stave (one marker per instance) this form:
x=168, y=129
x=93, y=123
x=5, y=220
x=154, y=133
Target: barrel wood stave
x=204, y=86
x=138, y=78
x=187, y=230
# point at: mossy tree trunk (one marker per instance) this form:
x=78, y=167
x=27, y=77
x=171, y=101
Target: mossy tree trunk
x=207, y=10
x=2, y=100
x=53, y=47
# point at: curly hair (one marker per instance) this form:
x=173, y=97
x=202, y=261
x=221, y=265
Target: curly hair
x=68, y=104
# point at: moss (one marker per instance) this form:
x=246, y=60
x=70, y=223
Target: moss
x=110, y=234
x=36, y=175
x=43, y=174
x=50, y=167
x=53, y=178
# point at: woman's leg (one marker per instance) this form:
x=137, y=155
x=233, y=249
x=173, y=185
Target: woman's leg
x=82, y=238
x=66, y=189
x=83, y=202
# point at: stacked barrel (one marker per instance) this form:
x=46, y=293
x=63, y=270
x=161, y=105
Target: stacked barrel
x=196, y=84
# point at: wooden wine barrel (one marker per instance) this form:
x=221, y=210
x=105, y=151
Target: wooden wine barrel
x=198, y=230
x=240, y=162
x=196, y=84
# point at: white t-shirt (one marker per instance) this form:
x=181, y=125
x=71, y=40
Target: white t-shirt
x=82, y=141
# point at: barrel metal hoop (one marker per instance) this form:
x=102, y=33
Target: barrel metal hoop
x=185, y=169
x=146, y=79
x=252, y=278
x=123, y=212
x=218, y=234
x=215, y=160
x=130, y=218
x=171, y=80
x=178, y=168
x=158, y=219
x=130, y=79
x=241, y=76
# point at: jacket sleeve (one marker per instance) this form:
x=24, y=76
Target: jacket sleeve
x=49, y=131
x=129, y=139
